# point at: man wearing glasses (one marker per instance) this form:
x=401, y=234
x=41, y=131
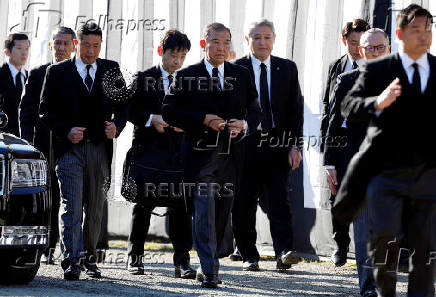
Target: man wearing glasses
x=344, y=138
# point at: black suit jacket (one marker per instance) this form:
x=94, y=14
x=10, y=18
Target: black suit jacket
x=10, y=99
x=187, y=104
x=286, y=98
x=60, y=102
x=397, y=138
x=147, y=100
x=31, y=127
x=335, y=69
x=342, y=142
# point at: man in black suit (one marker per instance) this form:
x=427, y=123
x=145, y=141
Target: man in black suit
x=351, y=34
x=267, y=161
x=13, y=76
x=212, y=102
x=33, y=130
x=84, y=121
x=152, y=131
x=343, y=140
x=395, y=168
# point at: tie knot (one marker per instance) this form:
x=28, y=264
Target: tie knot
x=355, y=66
x=415, y=66
x=88, y=67
x=262, y=65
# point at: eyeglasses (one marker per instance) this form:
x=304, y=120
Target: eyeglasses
x=379, y=48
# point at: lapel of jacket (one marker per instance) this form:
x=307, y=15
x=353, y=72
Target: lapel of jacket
x=76, y=76
x=343, y=63
x=430, y=85
x=247, y=63
x=275, y=86
x=11, y=89
x=160, y=93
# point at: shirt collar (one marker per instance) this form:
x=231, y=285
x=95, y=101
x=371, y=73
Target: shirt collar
x=14, y=70
x=351, y=60
x=209, y=67
x=82, y=66
x=256, y=62
x=165, y=74
x=408, y=61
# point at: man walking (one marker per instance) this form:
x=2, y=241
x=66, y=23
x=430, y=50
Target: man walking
x=84, y=122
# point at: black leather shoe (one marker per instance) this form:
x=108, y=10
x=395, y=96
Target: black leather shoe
x=135, y=266
x=92, y=270
x=184, y=271
x=250, y=265
x=236, y=256
x=289, y=257
x=210, y=281
x=72, y=272
x=200, y=276
x=339, y=257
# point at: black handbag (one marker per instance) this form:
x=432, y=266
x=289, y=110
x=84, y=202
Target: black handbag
x=153, y=175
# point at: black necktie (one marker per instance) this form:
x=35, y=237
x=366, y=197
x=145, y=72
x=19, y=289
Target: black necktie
x=18, y=83
x=170, y=80
x=355, y=65
x=416, y=81
x=88, y=78
x=266, y=121
x=215, y=74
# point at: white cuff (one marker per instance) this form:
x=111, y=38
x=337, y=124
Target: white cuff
x=327, y=167
x=148, y=124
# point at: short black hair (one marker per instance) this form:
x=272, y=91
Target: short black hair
x=358, y=25
x=89, y=28
x=408, y=14
x=214, y=27
x=10, y=40
x=64, y=30
x=174, y=40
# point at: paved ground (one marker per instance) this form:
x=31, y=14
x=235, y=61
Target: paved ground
x=304, y=279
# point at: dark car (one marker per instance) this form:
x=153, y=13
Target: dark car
x=25, y=206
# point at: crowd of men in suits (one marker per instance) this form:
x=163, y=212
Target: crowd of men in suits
x=381, y=180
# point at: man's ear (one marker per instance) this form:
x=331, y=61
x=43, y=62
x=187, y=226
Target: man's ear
x=344, y=41
x=399, y=33
x=7, y=52
x=247, y=39
x=203, y=43
x=75, y=42
x=160, y=50
x=361, y=52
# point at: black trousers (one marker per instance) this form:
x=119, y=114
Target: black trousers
x=54, y=216
x=265, y=177
x=391, y=196
x=340, y=230
x=180, y=232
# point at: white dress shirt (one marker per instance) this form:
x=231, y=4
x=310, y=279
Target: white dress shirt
x=256, y=70
x=350, y=61
x=210, y=67
x=81, y=69
x=166, y=85
x=14, y=71
x=423, y=68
